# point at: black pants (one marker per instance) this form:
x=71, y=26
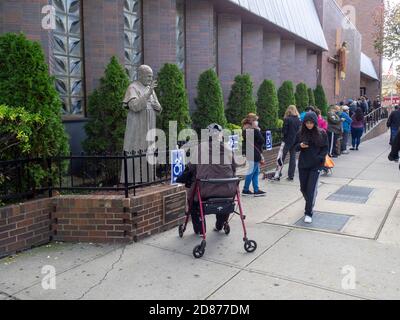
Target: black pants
x=309, y=187
x=292, y=162
x=333, y=137
x=196, y=221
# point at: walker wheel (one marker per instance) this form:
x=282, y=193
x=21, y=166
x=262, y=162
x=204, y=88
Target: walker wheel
x=250, y=246
x=227, y=229
x=181, y=230
x=199, y=250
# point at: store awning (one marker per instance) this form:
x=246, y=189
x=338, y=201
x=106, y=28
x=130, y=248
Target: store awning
x=299, y=17
x=367, y=67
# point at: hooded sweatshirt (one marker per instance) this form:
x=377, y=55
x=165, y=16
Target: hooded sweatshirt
x=313, y=156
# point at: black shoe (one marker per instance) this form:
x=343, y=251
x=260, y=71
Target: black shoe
x=391, y=158
x=247, y=193
x=260, y=193
x=352, y=149
x=289, y=179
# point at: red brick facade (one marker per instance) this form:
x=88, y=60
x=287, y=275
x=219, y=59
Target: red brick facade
x=288, y=61
x=103, y=26
x=199, y=43
x=229, y=50
x=244, y=44
x=253, y=53
x=272, y=57
x=159, y=32
x=331, y=18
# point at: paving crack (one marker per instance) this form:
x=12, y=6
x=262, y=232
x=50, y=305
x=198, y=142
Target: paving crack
x=105, y=275
x=7, y=296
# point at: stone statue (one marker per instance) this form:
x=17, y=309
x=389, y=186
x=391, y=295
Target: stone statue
x=142, y=103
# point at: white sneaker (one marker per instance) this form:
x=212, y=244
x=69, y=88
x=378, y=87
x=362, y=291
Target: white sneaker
x=308, y=219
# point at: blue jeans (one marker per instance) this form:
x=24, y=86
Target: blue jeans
x=393, y=134
x=356, y=134
x=252, y=176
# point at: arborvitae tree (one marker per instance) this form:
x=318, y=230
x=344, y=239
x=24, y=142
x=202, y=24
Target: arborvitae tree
x=173, y=98
x=268, y=105
x=25, y=82
x=320, y=100
x=286, y=97
x=241, y=101
x=302, y=99
x=311, y=97
x=107, y=118
x=209, y=101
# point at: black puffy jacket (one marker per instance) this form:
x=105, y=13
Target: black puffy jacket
x=313, y=156
x=291, y=127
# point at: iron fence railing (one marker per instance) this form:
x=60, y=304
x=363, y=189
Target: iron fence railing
x=373, y=118
x=23, y=179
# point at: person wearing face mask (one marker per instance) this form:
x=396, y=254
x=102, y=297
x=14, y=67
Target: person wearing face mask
x=254, y=142
x=335, y=130
x=312, y=143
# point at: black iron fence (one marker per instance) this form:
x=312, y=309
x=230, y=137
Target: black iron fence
x=24, y=179
x=373, y=118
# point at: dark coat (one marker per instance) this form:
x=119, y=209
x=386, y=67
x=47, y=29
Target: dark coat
x=394, y=119
x=254, y=151
x=291, y=127
x=314, y=156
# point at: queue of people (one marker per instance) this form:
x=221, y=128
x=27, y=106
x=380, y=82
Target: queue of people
x=308, y=133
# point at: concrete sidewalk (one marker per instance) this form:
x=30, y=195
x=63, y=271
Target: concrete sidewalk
x=359, y=261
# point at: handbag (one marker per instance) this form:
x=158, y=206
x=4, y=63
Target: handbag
x=329, y=163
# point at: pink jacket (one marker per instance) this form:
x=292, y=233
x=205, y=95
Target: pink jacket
x=322, y=123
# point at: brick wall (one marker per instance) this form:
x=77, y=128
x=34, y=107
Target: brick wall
x=103, y=24
x=89, y=218
x=147, y=212
x=24, y=226
x=229, y=50
x=301, y=66
x=159, y=33
x=365, y=11
x=272, y=52
x=312, y=65
x=92, y=219
x=331, y=18
x=199, y=43
x=253, y=55
x=25, y=16
x=287, y=61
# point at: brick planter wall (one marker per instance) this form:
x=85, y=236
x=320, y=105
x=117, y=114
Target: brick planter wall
x=147, y=212
x=92, y=219
x=89, y=218
x=24, y=226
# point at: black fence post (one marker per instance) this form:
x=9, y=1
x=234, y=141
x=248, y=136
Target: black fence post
x=126, y=175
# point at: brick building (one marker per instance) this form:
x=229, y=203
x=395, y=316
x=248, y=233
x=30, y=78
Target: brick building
x=269, y=39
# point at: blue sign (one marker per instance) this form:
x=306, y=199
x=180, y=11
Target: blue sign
x=234, y=142
x=268, y=140
x=177, y=164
